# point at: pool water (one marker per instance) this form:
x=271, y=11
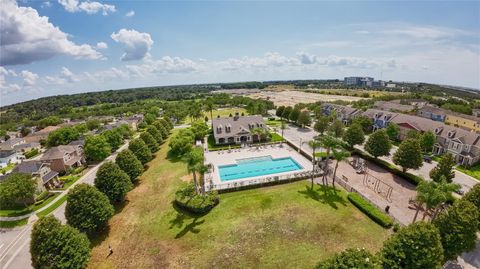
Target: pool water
x=258, y=166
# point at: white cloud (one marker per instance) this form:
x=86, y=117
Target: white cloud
x=306, y=58
x=29, y=78
x=46, y=4
x=101, y=45
x=28, y=37
x=65, y=76
x=87, y=6
x=131, y=13
x=137, y=45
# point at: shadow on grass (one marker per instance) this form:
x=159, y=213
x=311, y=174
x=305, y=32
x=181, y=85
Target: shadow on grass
x=120, y=206
x=324, y=194
x=98, y=237
x=180, y=221
x=172, y=157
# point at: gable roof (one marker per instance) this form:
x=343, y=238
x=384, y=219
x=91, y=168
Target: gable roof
x=237, y=124
x=28, y=167
x=57, y=152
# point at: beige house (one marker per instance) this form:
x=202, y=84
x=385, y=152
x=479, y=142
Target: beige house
x=237, y=129
x=41, y=135
x=46, y=178
x=63, y=157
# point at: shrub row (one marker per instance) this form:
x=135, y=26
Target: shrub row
x=390, y=167
x=187, y=199
x=370, y=210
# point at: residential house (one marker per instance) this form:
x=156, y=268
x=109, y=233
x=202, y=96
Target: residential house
x=462, y=144
x=343, y=113
x=26, y=147
x=418, y=103
x=433, y=113
x=468, y=122
x=8, y=156
x=41, y=135
x=379, y=118
x=10, y=143
x=46, y=178
x=393, y=106
x=237, y=129
x=63, y=157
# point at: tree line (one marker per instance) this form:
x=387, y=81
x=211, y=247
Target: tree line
x=89, y=208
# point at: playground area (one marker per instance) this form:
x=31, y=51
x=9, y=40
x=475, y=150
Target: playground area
x=380, y=187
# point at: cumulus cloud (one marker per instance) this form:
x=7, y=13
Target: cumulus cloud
x=28, y=37
x=306, y=58
x=131, y=13
x=270, y=59
x=136, y=44
x=87, y=6
x=101, y=45
x=29, y=78
x=65, y=76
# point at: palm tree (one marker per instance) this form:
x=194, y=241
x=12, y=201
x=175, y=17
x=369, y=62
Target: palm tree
x=283, y=126
x=202, y=169
x=433, y=195
x=314, y=144
x=329, y=142
x=340, y=155
x=194, y=160
x=209, y=108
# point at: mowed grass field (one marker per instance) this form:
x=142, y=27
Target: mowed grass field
x=225, y=112
x=283, y=226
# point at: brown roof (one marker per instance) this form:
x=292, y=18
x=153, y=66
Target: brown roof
x=57, y=152
x=237, y=124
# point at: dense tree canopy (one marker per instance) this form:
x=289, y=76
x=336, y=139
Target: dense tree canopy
x=114, y=138
x=416, y=246
x=458, y=226
x=444, y=169
x=128, y=162
x=409, y=155
x=62, y=136
x=354, y=135
x=58, y=246
x=336, y=128
x=378, y=144
x=17, y=188
x=427, y=140
x=155, y=133
x=96, y=148
x=141, y=150
x=351, y=258
x=393, y=131
x=150, y=141
x=87, y=208
x=321, y=125
x=113, y=181
x=182, y=142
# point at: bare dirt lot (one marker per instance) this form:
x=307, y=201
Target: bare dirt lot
x=290, y=97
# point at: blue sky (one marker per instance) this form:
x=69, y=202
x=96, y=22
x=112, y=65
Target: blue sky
x=67, y=46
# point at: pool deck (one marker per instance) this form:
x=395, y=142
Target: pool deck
x=219, y=158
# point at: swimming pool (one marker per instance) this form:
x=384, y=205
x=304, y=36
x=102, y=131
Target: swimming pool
x=258, y=166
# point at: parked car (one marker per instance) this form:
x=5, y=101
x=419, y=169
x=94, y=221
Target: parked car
x=427, y=159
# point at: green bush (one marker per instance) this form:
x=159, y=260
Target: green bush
x=370, y=210
x=187, y=199
x=31, y=153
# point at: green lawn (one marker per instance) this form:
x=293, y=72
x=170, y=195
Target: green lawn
x=473, y=171
x=14, y=223
x=69, y=180
x=225, y=112
x=23, y=211
x=283, y=226
x=274, y=123
x=7, y=168
x=52, y=207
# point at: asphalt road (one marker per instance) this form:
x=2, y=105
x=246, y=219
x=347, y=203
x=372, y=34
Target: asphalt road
x=15, y=243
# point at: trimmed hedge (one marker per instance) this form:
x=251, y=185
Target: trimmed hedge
x=188, y=200
x=390, y=167
x=370, y=210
